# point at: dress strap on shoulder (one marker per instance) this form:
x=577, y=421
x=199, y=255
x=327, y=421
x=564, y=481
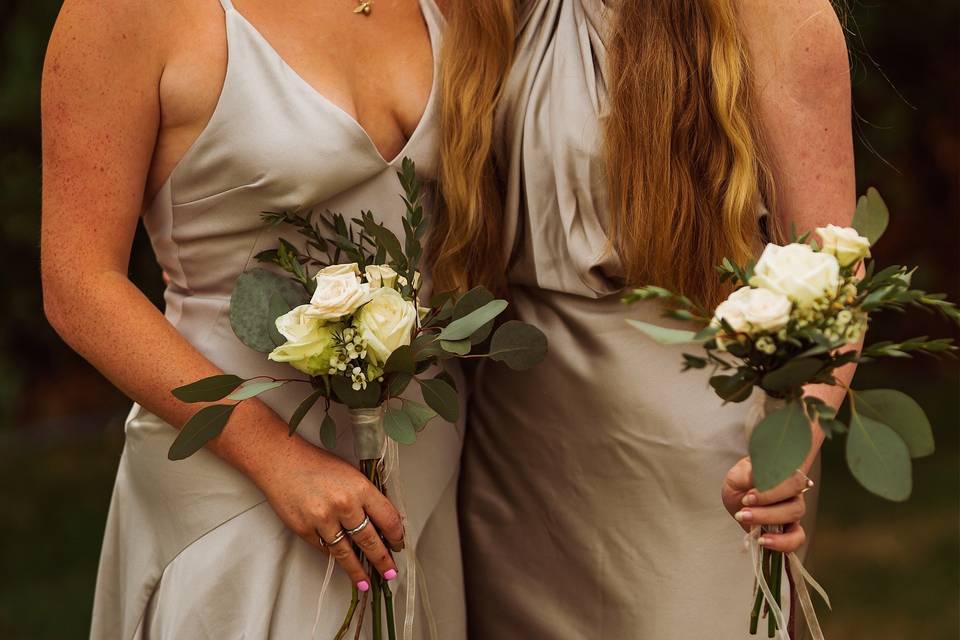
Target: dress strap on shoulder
x=227, y=5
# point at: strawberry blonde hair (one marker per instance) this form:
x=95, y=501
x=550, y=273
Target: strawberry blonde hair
x=685, y=158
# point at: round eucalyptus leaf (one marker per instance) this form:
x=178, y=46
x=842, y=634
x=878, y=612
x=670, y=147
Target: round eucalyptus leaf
x=779, y=445
x=303, y=409
x=879, y=459
x=792, y=375
x=470, y=302
x=518, y=345
x=419, y=414
x=355, y=399
x=872, y=216
x=441, y=397
x=400, y=360
x=252, y=306
x=397, y=426
x=467, y=326
x=328, y=432
x=457, y=347
x=901, y=413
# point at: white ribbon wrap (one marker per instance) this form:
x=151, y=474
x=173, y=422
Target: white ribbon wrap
x=762, y=405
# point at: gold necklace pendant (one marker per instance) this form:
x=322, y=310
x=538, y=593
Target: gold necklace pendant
x=364, y=7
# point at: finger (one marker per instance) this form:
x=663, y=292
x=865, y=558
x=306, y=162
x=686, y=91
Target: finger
x=343, y=553
x=786, y=512
x=790, y=540
x=386, y=518
x=739, y=479
x=368, y=539
x=792, y=486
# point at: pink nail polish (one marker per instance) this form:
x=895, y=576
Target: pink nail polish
x=390, y=574
x=743, y=516
x=363, y=586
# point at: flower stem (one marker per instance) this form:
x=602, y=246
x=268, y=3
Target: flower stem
x=345, y=627
x=363, y=609
x=377, y=620
x=388, y=605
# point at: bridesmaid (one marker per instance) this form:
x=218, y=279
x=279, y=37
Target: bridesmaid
x=637, y=142
x=200, y=115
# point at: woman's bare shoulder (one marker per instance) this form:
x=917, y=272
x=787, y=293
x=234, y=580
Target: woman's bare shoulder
x=797, y=47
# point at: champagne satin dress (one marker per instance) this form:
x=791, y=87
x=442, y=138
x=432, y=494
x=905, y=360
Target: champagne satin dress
x=192, y=550
x=590, y=493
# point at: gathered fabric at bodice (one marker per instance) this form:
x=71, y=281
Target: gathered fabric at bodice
x=550, y=130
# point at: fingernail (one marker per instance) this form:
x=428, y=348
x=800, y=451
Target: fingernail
x=810, y=483
x=743, y=516
x=363, y=585
x=749, y=500
x=391, y=574
x=763, y=541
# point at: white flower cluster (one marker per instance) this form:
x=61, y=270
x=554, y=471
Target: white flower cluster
x=351, y=326
x=797, y=287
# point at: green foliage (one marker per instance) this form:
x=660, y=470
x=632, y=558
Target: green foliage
x=253, y=305
x=303, y=409
x=737, y=387
x=779, y=445
x=518, y=345
x=878, y=458
x=463, y=328
x=355, y=399
x=398, y=426
x=208, y=389
x=664, y=335
x=204, y=426
x=419, y=414
x=254, y=389
x=328, y=432
x=872, y=216
x=441, y=397
x=901, y=413
x=471, y=301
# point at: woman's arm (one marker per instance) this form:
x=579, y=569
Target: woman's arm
x=101, y=115
x=801, y=73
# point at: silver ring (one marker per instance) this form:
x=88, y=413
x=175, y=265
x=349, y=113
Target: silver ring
x=360, y=527
x=336, y=539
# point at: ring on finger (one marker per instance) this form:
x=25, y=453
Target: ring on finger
x=360, y=527
x=807, y=481
x=336, y=539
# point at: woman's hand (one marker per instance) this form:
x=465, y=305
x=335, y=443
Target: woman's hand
x=783, y=505
x=318, y=495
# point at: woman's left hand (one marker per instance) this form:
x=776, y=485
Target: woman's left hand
x=783, y=505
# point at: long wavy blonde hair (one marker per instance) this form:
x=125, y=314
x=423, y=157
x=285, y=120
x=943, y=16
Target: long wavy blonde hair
x=685, y=157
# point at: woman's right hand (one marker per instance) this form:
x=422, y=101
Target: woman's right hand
x=318, y=495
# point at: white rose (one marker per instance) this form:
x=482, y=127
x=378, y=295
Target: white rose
x=380, y=276
x=340, y=269
x=755, y=310
x=337, y=295
x=310, y=343
x=845, y=243
x=798, y=272
x=385, y=323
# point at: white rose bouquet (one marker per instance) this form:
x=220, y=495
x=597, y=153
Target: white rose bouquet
x=347, y=313
x=795, y=318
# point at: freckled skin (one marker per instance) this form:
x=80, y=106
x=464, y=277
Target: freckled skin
x=127, y=86
x=801, y=70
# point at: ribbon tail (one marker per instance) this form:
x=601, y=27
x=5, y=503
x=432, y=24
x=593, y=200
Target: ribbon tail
x=323, y=594
x=774, y=606
x=803, y=596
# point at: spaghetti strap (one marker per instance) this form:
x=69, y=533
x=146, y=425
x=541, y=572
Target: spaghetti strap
x=227, y=5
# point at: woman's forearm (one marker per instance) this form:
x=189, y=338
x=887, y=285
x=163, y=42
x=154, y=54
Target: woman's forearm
x=108, y=321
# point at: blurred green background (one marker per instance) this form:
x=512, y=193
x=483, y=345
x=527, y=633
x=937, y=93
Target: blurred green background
x=893, y=570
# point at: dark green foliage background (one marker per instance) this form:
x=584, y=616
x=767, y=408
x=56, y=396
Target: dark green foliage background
x=891, y=569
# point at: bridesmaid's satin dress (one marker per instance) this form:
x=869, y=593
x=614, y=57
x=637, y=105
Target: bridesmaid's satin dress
x=192, y=550
x=590, y=493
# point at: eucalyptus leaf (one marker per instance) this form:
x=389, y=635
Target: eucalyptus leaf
x=397, y=383
x=254, y=389
x=328, y=432
x=901, y=413
x=792, y=375
x=736, y=387
x=363, y=399
x=303, y=409
x=469, y=302
x=879, y=458
x=419, y=414
x=208, y=389
x=466, y=326
x=401, y=360
x=664, y=335
x=398, y=426
x=251, y=312
x=204, y=426
x=872, y=216
x=518, y=345
x=779, y=445
x=441, y=397
x=278, y=307
x=456, y=347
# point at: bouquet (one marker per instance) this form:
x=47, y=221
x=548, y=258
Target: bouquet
x=795, y=317
x=346, y=312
